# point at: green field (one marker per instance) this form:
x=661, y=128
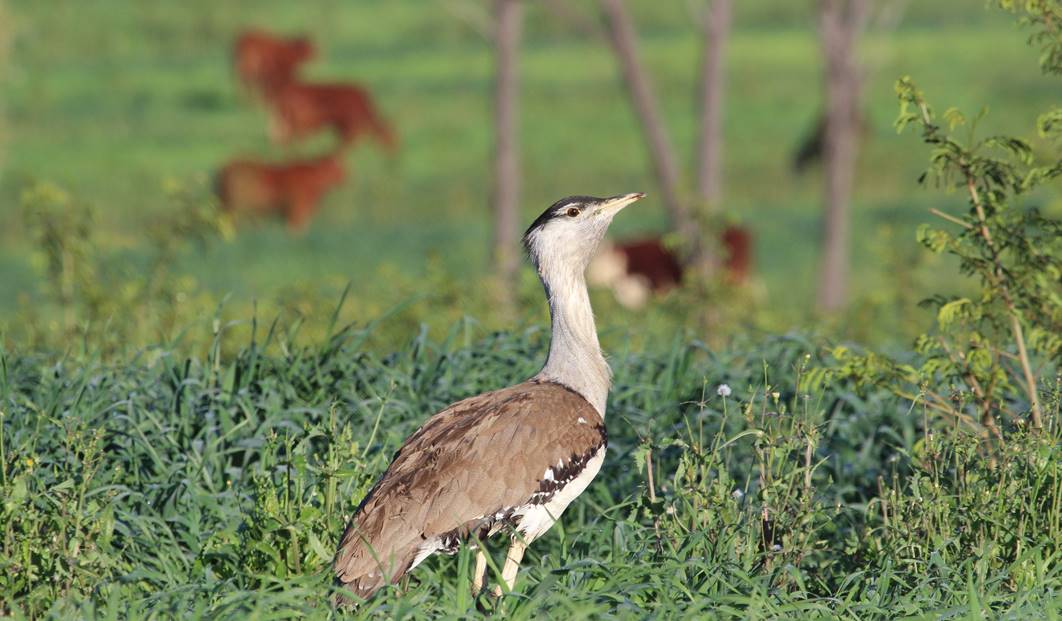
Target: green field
x=114, y=100
x=190, y=413
x=212, y=489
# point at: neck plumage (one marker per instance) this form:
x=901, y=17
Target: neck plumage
x=575, y=358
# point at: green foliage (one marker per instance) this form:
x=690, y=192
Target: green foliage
x=63, y=233
x=1015, y=253
x=210, y=477
x=953, y=509
x=773, y=519
x=1044, y=17
x=987, y=354
x=105, y=306
x=202, y=488
x=67, y=551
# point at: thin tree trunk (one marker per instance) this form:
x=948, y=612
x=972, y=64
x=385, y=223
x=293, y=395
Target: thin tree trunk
x=5, y=43
x=508, y=15
x=840, y=21
x=623, y=39
x=713, y=84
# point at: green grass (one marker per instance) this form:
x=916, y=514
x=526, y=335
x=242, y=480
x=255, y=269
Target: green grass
x=164, y=456
x=112, y=100
x=166, y=487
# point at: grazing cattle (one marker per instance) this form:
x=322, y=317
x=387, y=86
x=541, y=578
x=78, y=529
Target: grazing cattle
x=636, y=269
x=265, y=63
x=301, y=109
x=291, y=191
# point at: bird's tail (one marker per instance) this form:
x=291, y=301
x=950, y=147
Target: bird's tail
x=349, y=595
x=361, y=570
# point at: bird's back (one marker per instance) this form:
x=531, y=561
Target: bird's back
x=471, y=469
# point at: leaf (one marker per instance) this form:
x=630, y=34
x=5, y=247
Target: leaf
x=954, y=118
x=934, y=239
x=322, y=552
x=639, y=454
x=953, y=311
x=1014, y=146
x=813, y=379
x=1049, y=124
x=18, y=493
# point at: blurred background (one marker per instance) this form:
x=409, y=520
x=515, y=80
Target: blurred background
x=119, y=118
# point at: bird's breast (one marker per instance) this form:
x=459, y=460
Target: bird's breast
x=556, y=492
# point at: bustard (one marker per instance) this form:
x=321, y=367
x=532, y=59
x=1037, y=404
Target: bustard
x=510, y=460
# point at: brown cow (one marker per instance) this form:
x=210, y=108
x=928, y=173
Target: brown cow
x=301, y=109
x=292, y=191
x=265, y=63
x=635, y=269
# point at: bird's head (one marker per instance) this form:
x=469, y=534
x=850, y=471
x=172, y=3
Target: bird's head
x=568, y=233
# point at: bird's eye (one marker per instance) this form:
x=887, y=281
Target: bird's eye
x=572, y=212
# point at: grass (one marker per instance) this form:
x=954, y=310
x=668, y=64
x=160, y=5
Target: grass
x=112, y=101
x=164, y=456
x=170, y=487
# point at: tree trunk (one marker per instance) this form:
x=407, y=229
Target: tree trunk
x=506, y=199
x=6, y=34
x=713, y=77
x=623, y=39
x=840, y=22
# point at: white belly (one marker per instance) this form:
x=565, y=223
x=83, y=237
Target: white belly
x=537, y=519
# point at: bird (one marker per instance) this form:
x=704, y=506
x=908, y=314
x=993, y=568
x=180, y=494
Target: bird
x=509, y=460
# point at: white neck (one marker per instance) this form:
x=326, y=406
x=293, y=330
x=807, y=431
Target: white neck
x=575, y=358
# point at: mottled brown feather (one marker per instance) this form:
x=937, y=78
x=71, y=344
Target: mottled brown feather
x=476, y=458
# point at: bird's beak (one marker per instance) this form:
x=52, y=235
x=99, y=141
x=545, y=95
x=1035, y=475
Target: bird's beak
x=612, y=205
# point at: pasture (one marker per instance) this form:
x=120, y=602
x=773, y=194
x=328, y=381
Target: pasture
x=116, y=103
x=191, y=407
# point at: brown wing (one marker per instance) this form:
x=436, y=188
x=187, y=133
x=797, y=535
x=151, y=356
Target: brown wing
x=467, y=464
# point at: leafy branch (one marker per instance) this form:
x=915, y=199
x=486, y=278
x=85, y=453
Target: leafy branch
x=989, y=181
x=990, y=349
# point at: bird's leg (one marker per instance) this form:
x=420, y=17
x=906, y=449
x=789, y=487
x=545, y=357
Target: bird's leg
x=480, y=572
x=512, y=564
